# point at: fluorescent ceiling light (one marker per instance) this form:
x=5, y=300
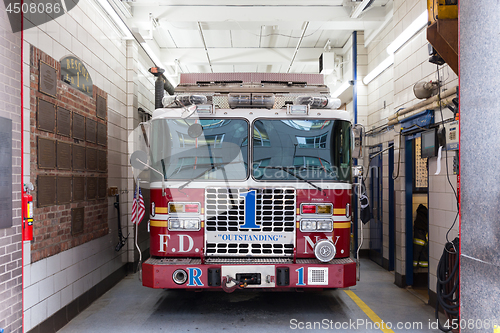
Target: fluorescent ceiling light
x=343, y=87
x=115, y=18
x=408, y=33
x=360, y=8
x=379, y=69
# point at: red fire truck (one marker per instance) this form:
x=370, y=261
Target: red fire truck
x=251, y=185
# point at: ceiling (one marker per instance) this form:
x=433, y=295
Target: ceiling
x=282, y=36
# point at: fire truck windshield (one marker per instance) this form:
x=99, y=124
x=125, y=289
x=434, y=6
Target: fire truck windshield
x=316, y=149
x=283, y=150
x=218, y=152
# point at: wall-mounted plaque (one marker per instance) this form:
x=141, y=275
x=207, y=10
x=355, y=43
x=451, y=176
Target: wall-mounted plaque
x=46, y=116
x=101, y=188
x=47, y=82
x=74, y=73
x=101, y=109
x=63, y=155
x=102, y=165
x=90, y=130
x=46, y=191
x=102, y=134
x=91, y=188
x=78, y=188
x=77, y=219
x=78, y=158
x=63, y=122
x=78, y=126
x=91, y=154
x=46, y=153
x=64, y=190
x=6, y=173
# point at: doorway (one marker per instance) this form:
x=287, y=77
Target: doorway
x=376, y=201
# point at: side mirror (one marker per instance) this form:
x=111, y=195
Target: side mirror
x=357, y=141
x=139, y=160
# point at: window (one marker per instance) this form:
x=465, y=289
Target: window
x=219, y=150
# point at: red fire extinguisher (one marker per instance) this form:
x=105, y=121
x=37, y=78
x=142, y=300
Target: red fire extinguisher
x=27, y=203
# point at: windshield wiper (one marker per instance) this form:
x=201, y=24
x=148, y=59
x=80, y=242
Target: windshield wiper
x=287, y=169
x=213, y=166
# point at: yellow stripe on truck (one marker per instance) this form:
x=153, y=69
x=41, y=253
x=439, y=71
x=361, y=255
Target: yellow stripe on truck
x=161, y=210
x=159, y=224
x=339, y=211
x=343, y=225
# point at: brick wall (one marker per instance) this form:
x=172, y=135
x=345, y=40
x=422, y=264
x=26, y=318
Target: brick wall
x=10, y=238
x=53, y=227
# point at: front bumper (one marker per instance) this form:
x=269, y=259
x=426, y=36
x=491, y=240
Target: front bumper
x=273, y=274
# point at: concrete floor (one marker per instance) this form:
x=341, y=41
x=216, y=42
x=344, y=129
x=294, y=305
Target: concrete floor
x=129, y=307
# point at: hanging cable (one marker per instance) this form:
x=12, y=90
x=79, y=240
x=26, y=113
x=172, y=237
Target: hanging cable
x=446, y=160
x=448, y=281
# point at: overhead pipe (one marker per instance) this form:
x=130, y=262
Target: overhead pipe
x=429, y=106
x=205, y=45
x=298, y=46
x=420, y=105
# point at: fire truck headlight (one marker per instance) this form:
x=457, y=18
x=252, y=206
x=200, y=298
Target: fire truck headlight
x=184, y=224
x=307, y=225
x=325, y=209
x=324, y=225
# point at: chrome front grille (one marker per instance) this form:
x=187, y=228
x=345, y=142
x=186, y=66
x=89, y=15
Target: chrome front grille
x=249, y=249
x=225, y=218
x=225, y=210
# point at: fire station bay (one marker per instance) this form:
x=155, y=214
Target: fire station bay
x=249, y=166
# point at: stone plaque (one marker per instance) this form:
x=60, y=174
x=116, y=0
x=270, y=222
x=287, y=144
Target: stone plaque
x=46, y=153
x=78, y=158
x=102, y=135
x=91, y=188
x=101, y=110
x=78, y=188
x=46, y=116
x=91, y=154
x=6, y=173
x=47, y=82
x=64, y=190
x=63, y=122
x=46, y=191
x=63, y=155
x=78, y=126
x=102, y=164
x=90, y=130
x=101, y=188
x=77, y=219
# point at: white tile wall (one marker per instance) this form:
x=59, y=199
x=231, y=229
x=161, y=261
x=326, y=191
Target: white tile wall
x=54, y=282
x=395, y=87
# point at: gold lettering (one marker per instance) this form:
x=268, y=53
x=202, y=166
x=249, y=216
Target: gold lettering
x=67, y=77
x=73, y=63
x=67, y=64
x=83, y=86
x=80, y=67
x=72, y=80
x=78, y=79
